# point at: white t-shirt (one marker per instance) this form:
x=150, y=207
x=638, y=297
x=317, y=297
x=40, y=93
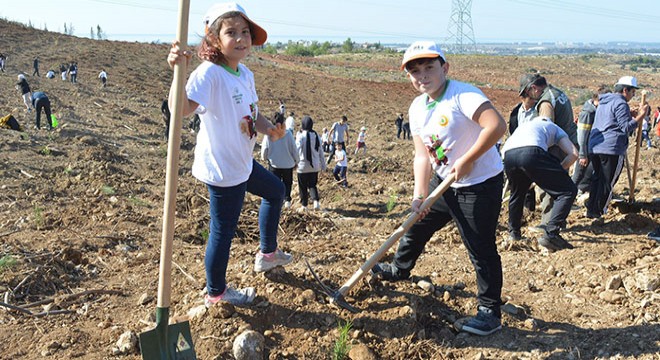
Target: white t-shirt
x=361, y=136
x=341, y=158
x=103, y=75
x=223, y=155
x=539, y=133
x=448, y=122
x=290, y=124
x=340, y=131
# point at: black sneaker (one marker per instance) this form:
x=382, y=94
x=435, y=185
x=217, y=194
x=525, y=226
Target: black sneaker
x=554, y=242
x=387, y=272
x=655, y=234
x=485, y=323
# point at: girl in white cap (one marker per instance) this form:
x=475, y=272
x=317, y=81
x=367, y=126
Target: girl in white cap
x=222, y=91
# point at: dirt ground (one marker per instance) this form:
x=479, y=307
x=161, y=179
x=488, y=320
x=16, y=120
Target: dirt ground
x=81, y=216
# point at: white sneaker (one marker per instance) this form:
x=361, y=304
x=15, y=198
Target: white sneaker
x=287, y=204
x=233, y=296
x=265, y=262
x=317, y=206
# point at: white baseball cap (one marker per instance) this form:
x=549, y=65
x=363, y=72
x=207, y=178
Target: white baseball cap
x=220, y=9
x=628, y=81
x=422, y=50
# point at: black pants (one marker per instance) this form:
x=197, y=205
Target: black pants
x=286, y=175
x=398, y=131
x=307, y=187
x=582, y=176
x=332, y=150
x=529, y=164
x=607, y=169
x=43, y=103
x=475, y=210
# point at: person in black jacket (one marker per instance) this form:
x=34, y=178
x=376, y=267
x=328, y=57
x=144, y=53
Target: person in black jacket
x=41, y=102
x=399, y=125
x=23, y=86
x=35, y=65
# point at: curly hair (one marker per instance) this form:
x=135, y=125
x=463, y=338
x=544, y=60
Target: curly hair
x=208, y=49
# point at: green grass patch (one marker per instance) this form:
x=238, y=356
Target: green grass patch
x=6, y=262
x=342, y=346
x=38, y=217
x=391, y=203
x=108, y=190
x=136, y=201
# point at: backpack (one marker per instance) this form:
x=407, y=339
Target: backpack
x=10, y=122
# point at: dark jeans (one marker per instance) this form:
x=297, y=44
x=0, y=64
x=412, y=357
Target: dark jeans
x=225, y=208
x=286, y=176
x=529, y=164
x=607, y=169
x=43, y=103
x=398, y=131
x=340, y=173
x=475, y=210
x=582, y=176
x=332, y=150
x=307, y=187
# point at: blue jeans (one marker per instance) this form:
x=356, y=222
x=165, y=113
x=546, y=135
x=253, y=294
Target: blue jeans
x=225, y=209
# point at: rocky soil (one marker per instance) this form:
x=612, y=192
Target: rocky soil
x=81, y=216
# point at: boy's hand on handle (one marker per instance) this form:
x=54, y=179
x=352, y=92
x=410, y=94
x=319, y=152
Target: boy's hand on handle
x=416, y=207
x=461, y=168
x=176, y=55
x=275, y=133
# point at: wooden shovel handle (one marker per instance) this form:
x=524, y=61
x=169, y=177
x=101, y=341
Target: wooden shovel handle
x=638, y=144
x=396, y=235
x=172, y=172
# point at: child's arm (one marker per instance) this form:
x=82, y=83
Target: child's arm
x=176, y=56
x=493, y=128
x=421, y=171
x=274, y=132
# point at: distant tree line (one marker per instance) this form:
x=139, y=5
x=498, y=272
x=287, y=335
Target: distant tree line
x=315, y=48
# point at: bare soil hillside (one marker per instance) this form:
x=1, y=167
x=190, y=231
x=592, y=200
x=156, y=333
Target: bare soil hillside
x=81, y=216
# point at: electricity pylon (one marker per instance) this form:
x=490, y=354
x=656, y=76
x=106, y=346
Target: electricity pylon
x=461, y=34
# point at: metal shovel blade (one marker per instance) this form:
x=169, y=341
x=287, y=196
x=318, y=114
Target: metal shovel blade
x=167, y=342
x=336, y=298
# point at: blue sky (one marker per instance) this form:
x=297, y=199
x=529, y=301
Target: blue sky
x=387, y=21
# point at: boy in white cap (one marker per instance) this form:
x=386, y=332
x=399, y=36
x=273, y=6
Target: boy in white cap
x=455, y=128
x=608, y=142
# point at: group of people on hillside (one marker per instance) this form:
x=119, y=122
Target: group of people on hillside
x=454, y=128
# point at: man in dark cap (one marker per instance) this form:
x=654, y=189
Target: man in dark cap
x=551, y=103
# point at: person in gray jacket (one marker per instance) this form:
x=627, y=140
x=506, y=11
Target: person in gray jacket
x=608, y=142
x=311, y=163
x=282, y=157
x=583, y=171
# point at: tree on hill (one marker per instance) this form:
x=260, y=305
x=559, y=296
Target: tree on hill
x=348, y=46
x=99, y=33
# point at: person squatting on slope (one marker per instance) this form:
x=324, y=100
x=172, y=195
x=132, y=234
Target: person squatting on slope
x=555, y=105
x=527, y=161
x=455, y=128
x=282, y=157
x=608, y=142
x=222, y=91
x=41, y=102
